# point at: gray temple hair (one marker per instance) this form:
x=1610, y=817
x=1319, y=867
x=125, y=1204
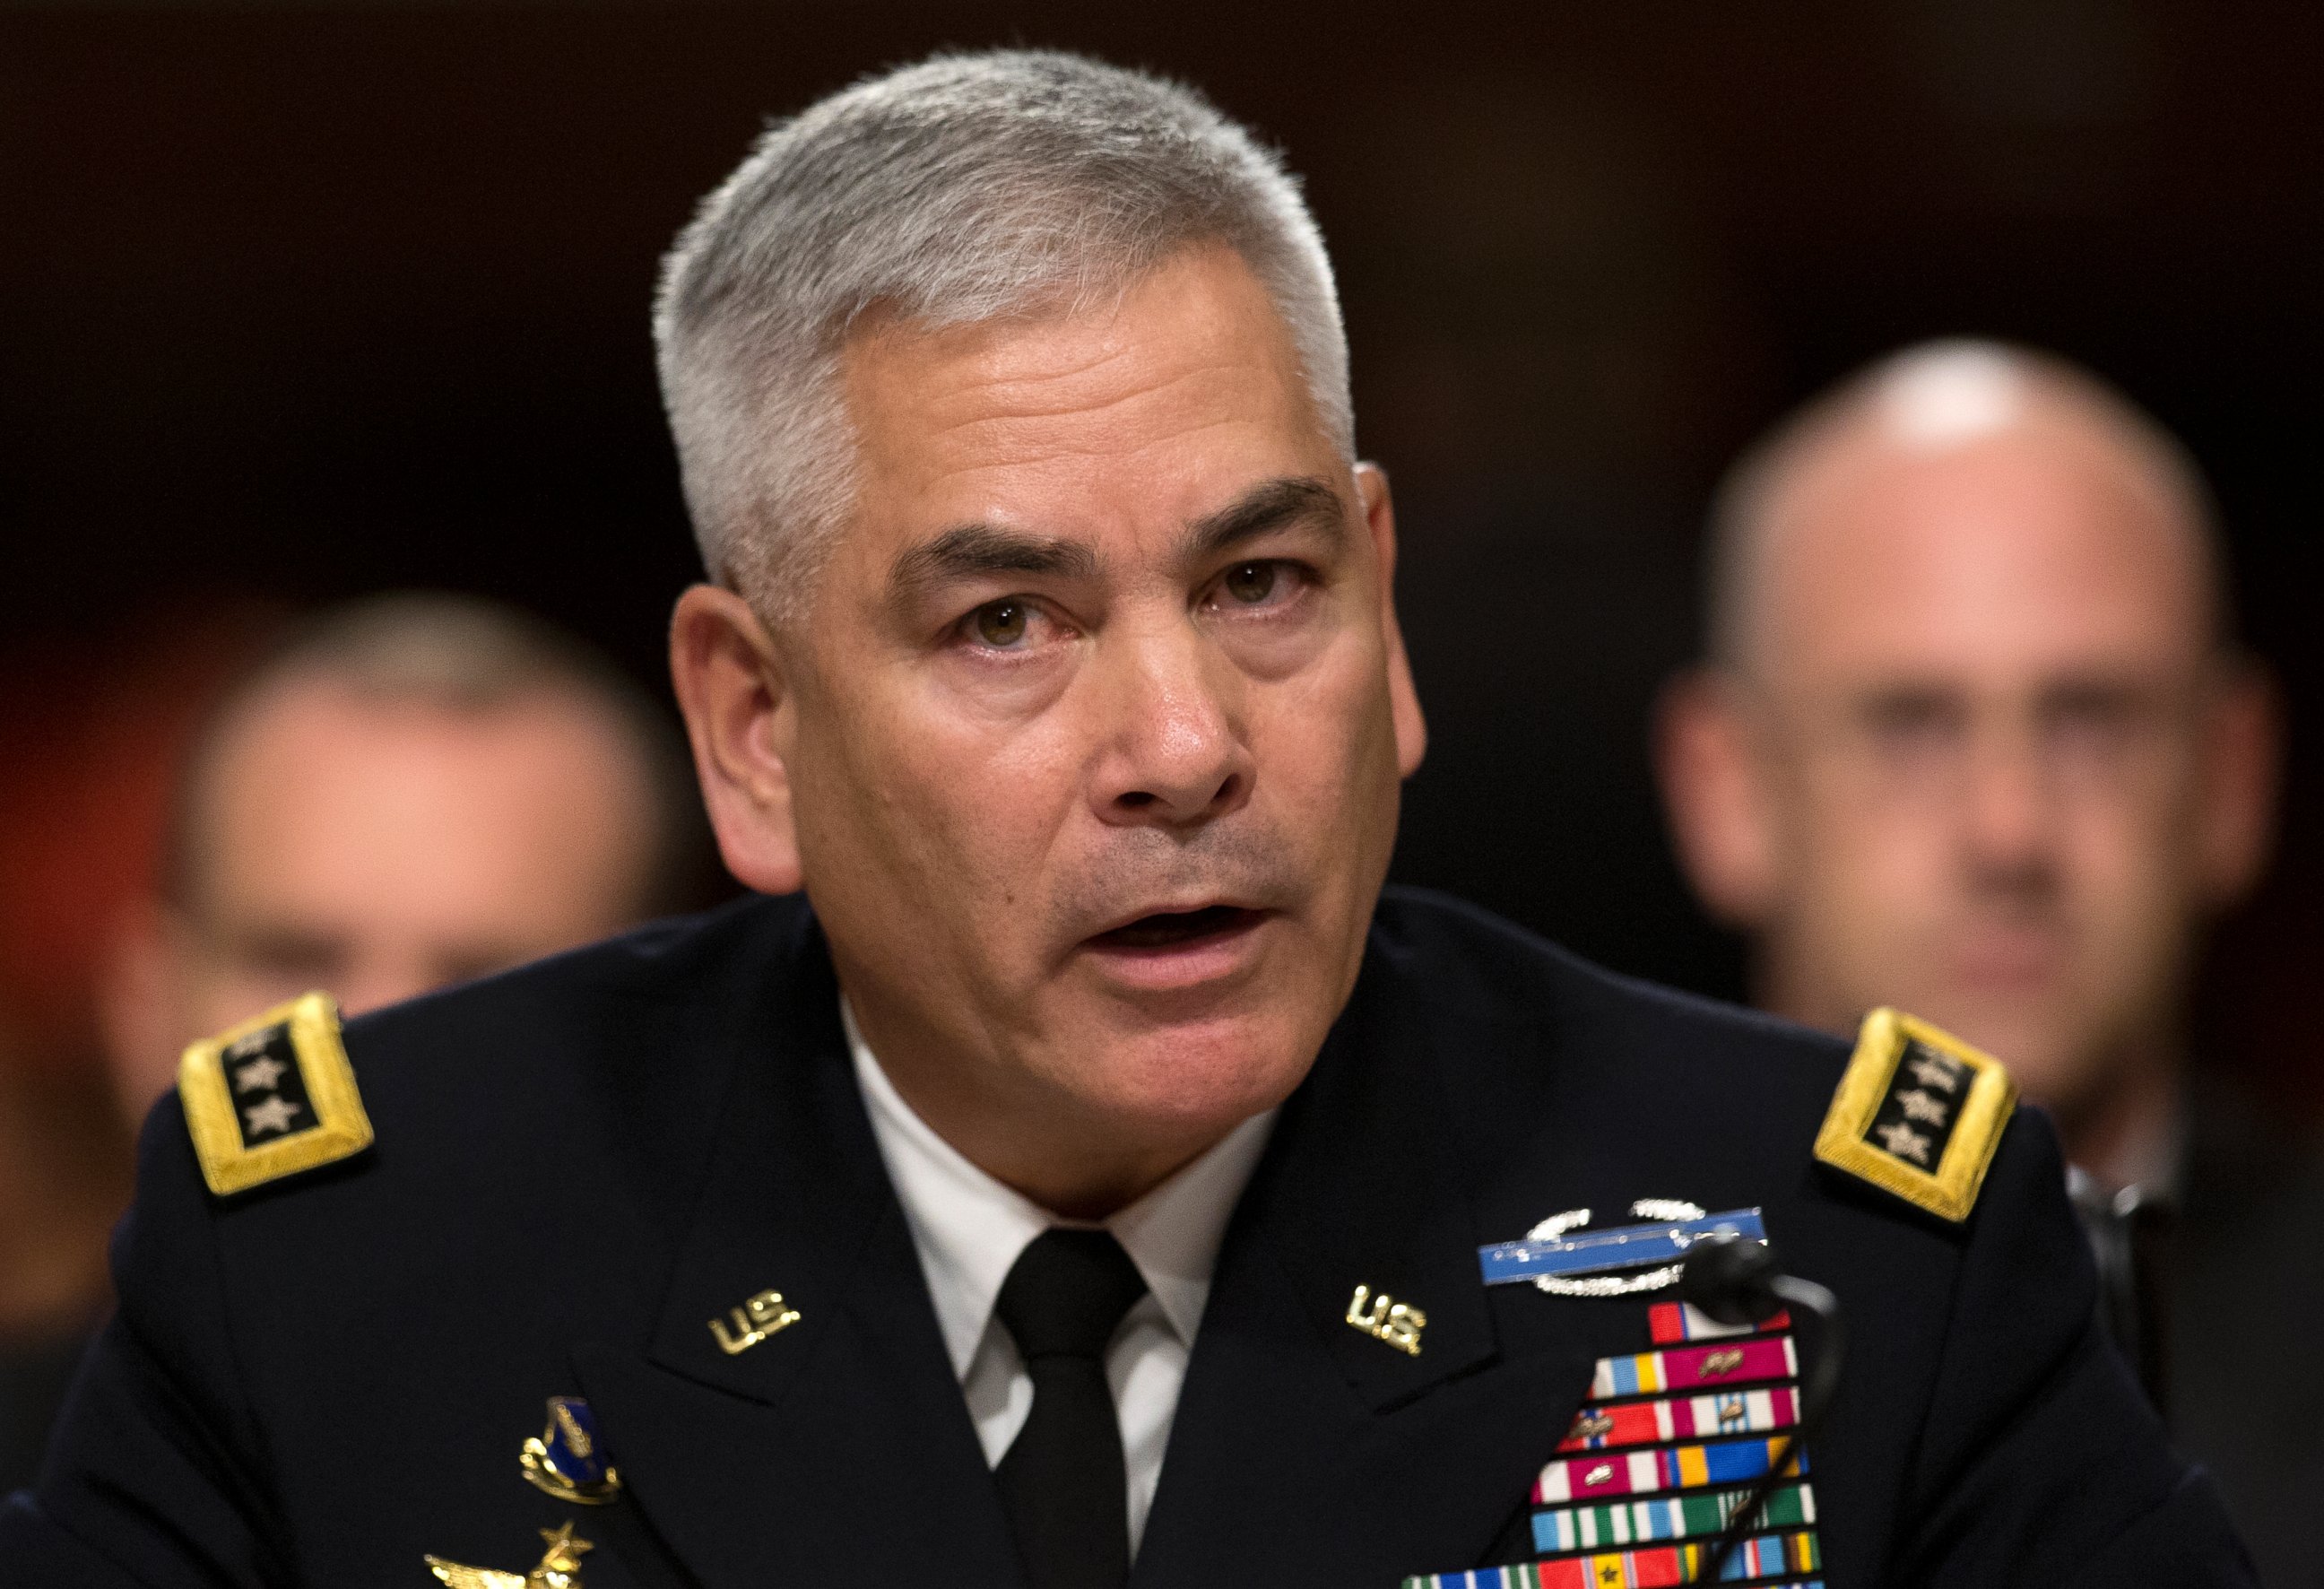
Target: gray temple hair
x=1933, y=396
x=965, y=189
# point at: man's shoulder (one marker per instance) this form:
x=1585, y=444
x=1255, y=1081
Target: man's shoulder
x=690, y=960
x=578, y=1056
x=1545, y=1058
x=1629, y=1035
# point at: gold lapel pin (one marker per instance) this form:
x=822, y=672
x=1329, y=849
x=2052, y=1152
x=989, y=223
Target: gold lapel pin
x=560, y=1568
x=1384, y=1319
x=567, y=1459
x=761, y=1316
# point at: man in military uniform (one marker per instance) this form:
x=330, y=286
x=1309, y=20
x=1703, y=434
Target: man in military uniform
x=1081, y=1176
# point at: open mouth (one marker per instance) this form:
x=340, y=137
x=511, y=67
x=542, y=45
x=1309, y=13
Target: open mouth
x=1175, y=930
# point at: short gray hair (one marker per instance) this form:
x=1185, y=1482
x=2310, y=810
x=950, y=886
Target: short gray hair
x=965, y=189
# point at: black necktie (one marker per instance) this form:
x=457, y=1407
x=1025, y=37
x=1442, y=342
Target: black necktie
x=1062, y=1481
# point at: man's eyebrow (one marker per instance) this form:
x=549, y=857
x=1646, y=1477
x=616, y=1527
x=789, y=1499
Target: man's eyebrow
x=969, y=551
x=1269, y=506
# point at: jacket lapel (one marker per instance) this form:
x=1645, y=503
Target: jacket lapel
x=1303, y=1450
x=837, y=1448
x=1308, y=1449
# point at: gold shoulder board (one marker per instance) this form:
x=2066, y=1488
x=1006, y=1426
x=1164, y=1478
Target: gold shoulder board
x=273, y=1096
x=1918, y=1113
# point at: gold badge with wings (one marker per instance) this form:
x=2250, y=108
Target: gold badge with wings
x=560, y=1568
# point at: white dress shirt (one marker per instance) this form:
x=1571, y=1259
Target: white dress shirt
x=970, y=1228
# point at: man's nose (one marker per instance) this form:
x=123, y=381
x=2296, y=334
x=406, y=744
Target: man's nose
x=2009, y=801
x=1174, y=751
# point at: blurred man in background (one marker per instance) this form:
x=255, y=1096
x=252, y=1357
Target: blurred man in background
x=412, y=790
x=417, y=789
x=1973, y=739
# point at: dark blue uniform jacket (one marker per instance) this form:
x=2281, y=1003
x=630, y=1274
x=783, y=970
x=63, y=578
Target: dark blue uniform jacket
x=579, y=1164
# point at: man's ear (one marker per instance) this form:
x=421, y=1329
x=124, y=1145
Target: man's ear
x=1712, y=788
x=738, y=717
x=1403, y=699
x=2239, y=772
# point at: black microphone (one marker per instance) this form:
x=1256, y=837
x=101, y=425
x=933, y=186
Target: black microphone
x=1736, y=1280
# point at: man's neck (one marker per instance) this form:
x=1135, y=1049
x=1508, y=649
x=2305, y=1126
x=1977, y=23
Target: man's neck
x=1075, y=1169
x=2123, y=1130
x=2129, y=1133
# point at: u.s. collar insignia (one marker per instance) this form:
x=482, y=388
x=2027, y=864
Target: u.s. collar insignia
x=1919, y=1113
x=755, y=1319
x=1384, y=1319
x=272, y=1098
x=567, y=1459
x=1616, y=1262
x=559, y=1567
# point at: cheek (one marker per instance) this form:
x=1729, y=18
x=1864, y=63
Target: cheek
x=993, y=799
x=1844, y=838
x=1327, y=738
x=1870, y=882
x=2127, y=872
x=926, y=817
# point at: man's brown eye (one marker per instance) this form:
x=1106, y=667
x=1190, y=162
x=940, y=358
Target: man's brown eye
x=1000, y=622
x=1250, y=583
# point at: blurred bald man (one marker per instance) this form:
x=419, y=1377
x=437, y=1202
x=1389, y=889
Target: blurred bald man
x=1973, y=739
x=415, y=791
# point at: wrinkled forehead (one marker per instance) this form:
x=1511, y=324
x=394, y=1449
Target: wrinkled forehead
x=2039, y=551
x=1178, y=390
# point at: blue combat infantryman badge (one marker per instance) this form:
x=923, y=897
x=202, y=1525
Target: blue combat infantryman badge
x=560, y=1566
x=566, y=1459
x=1616, y=1262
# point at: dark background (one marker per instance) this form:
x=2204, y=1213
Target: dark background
x=304, y=301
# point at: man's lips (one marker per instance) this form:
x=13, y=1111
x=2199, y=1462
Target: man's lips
x=2014, y=957
x=1165, y=930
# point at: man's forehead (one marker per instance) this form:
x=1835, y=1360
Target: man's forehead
x=1190, y=356
x=2019, y=552
x=314, y=742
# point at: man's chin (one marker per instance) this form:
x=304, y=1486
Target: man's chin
x=1208, y=1073
x=1192, y=1030
x=2033, y=1032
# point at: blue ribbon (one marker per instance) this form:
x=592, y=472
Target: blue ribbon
x=1628, y=1246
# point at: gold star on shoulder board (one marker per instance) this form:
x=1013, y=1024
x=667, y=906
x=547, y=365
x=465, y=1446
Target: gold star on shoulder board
x=1919, y=1113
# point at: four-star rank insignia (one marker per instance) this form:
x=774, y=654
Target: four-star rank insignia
x=273, y=1096
x=1919, y=1113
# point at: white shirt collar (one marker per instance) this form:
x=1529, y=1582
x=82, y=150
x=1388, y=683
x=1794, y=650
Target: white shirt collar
x=970, y=1228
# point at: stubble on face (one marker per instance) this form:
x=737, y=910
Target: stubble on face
x=1095, y=759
